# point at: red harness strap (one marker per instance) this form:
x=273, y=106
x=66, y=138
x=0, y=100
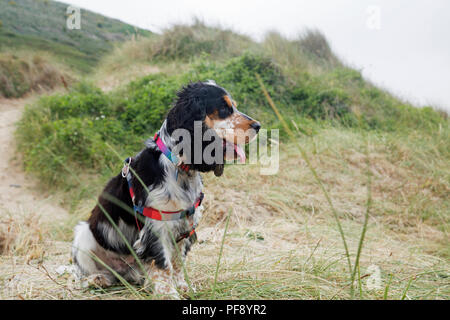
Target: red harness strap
x=160, y=215
x=156, y=214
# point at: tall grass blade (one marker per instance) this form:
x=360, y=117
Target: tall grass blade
x=311, y=168
x=220, y=255
x=407, y=288
x=366, y=220
x=386, y=289
x=360, y=284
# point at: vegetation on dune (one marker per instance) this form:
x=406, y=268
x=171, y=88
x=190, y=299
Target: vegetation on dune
x=180, y=43
x=19, y=75
x=78, y=61
x=76, y=125
x=363, y=142
x=186, y=42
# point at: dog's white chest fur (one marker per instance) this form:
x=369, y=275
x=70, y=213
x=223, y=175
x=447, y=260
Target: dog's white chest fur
x=177, y=192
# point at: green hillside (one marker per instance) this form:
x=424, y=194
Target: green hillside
x=41, y=25
x=35, y=30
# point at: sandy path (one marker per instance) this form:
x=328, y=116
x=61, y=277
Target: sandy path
x=19, y=192
x=23, y=206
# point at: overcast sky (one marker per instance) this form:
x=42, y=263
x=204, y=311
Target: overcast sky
x=401, y=45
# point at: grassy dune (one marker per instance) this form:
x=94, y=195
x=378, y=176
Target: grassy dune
x=377, y=157
x=22, y=72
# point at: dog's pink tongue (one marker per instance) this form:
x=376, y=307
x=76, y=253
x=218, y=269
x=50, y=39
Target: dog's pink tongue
x=240, y=152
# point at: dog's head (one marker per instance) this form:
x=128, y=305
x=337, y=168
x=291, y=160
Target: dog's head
x=213, y=107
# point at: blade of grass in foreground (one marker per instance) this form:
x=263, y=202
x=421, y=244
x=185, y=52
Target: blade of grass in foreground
x=220, y=254
x=386, y=289
x=313, y=171
x=407, y=288
x=366, y=220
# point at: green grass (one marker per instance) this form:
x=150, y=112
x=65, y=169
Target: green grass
x=78, y=61
x=46, y=20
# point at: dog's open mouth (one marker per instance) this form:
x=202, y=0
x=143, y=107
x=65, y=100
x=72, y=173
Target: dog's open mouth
x=233, y=149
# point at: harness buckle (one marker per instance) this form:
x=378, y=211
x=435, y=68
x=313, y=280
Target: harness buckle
x=126, y=167
x=190, y=211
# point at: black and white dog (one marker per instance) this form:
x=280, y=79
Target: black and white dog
x=164, y=190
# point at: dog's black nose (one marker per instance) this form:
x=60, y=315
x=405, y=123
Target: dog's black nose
x=256, y=126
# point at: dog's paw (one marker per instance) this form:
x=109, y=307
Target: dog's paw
x=99, y=280
x=162, y=290
x=166, y=292
x=183, y=286
x=186, y=291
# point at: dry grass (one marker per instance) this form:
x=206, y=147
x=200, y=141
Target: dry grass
x=22, y=72
x=170, y=52
x=282, y=241
x=309, y=51
x=20, y=235
x=282, y=232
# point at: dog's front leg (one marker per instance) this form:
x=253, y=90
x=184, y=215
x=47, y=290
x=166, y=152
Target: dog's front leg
x=162, y=281
x=178, y=262
x=179, y=258
x=155, y=250
x=179, y=265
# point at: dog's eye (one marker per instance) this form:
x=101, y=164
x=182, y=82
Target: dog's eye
x=225, y=112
